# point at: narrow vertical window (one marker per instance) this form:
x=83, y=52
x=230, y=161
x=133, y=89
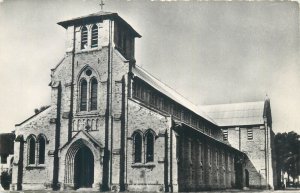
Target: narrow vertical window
x=31, y=152
x=217, y=158
x=200, y=153
x=149, y=147
x=225, y=134
x=249, y=134
x=94, y=40
x=42, y=144
x=83, y=95
x=137, y=147
x=94, y=87
x=178, y=148
x=190, y=150
x=208, y=155
x=165, y=104
x=84, y=37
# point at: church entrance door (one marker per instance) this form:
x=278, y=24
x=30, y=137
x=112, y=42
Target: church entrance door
x=83, y=168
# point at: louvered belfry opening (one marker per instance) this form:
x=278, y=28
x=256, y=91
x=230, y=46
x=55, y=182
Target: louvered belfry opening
x=94, y=40
x=84, y=37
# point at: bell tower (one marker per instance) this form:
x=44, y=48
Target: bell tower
x=99, y=53
x=92, y=33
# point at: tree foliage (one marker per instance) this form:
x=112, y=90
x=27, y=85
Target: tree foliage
x=287, y=147
x=42, y=108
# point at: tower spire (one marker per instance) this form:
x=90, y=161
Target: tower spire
x=101, y=5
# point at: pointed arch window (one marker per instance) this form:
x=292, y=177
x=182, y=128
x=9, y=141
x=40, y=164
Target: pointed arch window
x=31, y=150
x=42, y=145
x=149, y=138
x=137, y=147
x=94, y=86
x=83, y=95
x=94, y=40
x=84, y=37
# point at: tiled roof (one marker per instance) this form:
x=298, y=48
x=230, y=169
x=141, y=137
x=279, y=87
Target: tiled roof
x=98, y=15
x=169, y=92
x=235, y=114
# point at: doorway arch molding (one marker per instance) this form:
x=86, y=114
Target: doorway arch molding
x=70, y=160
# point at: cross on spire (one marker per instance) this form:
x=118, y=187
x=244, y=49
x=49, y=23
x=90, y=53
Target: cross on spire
x=101, y=5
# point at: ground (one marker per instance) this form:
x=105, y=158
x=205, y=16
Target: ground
x=223, y=191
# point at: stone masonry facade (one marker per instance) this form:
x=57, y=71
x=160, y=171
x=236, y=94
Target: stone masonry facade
x=113, y=126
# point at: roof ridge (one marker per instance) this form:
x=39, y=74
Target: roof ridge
x=35, y=115
x=232, y=103
x=166, y=85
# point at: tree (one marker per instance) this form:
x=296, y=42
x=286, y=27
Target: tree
x=42, y=108
x=287, y=148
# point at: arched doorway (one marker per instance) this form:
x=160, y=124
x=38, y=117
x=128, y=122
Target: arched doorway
x=83, y=168
x=247, y=177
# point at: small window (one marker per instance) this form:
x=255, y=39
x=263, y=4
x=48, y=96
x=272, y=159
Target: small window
x=149, y=147
x=42, y=144
x=4, y=158
x=194, y=121
x=94, y=87
x=190, y=149
x=165, y=105
x=94, y=40
x=249, y=133
x=178, y=146
x=84, y=37
x=83, y=95
x=200, y=153
x=137, y=147
x=225, y=134
x=31, y=150
x=176, y=111
x=186, y=116
x=209, y=155
x=217, y=158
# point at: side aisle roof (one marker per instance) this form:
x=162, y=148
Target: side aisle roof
x=169, y=92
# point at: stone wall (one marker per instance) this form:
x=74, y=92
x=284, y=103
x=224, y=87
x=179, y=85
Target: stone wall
x=35, y=176
x=203, y=164
x=254, y=148
x=146, y=176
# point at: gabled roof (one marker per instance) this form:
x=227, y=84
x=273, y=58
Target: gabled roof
x=169, y=92
x=235, y=114
x=101, y=15
x=89, y=136
x=35, y=115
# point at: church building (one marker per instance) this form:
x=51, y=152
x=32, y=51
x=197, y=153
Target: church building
x=113, y=126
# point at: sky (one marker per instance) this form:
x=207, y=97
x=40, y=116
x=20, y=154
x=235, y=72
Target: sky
x=210, y=52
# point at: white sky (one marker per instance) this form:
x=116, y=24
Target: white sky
x=210, y=52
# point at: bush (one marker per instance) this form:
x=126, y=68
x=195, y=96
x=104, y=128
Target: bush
x=5, y=180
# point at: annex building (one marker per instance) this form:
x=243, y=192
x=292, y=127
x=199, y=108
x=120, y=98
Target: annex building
x=113, y=126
